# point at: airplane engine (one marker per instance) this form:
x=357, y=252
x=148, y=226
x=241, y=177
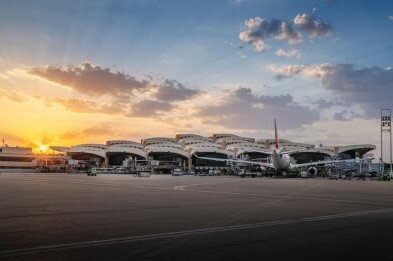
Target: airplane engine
x=312, y=171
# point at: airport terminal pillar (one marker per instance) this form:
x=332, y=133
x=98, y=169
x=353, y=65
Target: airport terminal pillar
x=106, y=161
x=189, y=165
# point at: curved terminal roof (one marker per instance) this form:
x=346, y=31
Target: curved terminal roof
x=295, y=146
x=166, y=144
x=228, y=144
x=232, y=140
x=190, y=136
x=225, y=141
x=94, y=149
x=219, y=137
x=273, y=141
x=351, y=150
x=207, y=147
x=121, y=142
x=63, y=149
x=311, y=151
x=168, y=147
x=157, y=140
x=334, y=151
x=361, y=148
x=286, y=144
x=247, y=147
x=129, y=147
x=193, y=140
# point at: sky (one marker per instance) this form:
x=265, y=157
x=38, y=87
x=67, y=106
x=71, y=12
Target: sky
x=89, y=71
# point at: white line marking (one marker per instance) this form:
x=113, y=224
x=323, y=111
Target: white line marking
x=113, y=241
x=182, y=187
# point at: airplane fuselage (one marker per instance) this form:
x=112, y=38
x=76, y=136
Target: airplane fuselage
x=281, y=162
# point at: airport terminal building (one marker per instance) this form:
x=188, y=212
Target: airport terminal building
x=183, y=152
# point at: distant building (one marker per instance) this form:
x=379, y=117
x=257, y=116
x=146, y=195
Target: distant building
x=23, y=158
x=16, y=157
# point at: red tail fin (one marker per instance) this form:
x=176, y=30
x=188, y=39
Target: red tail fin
x=275, y=134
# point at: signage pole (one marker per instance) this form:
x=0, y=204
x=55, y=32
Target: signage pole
x=390, y=134
x=381, y=159
x=386, y=125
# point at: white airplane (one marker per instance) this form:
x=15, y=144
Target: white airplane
x=282, y=161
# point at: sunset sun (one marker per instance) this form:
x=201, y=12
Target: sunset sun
x=43, y=148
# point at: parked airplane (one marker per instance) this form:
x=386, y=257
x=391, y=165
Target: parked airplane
x=282, y=161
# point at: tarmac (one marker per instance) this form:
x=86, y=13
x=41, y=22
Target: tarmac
x=120, y=217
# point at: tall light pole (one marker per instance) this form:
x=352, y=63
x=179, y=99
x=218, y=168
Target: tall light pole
x=386, y=126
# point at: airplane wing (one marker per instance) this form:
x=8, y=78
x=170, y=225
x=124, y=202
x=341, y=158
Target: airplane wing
x=263, y=164
x=325, y=162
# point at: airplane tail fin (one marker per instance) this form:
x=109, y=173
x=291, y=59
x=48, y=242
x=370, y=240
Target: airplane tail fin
x=275, y=134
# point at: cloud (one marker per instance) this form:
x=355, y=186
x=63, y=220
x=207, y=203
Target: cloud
x=240, y=108
x=346, y=115
x=288, y=71
x=97, y=81
x=390, y=17
x=291, y=53
x=333, y=132
x=99, y=131
x=148, y=108
x=325, y=104
x=370, y=87
x=12, y=95
x=90, y=79
x=259, y=30
x=87, y=106
x=312, y=26
x=11, y=139
x=123, y=94
x=172, y=90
